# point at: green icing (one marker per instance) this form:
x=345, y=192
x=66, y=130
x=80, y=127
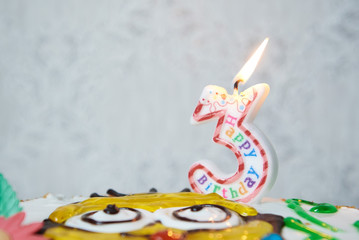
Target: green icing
x=9, y=204
x=313, y=234
x=324, y=208
x=320, y=208
x=356, y=224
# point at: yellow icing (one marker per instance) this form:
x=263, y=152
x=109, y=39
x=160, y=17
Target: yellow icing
x=251, y=231
x=151, y=202
x=63, y=233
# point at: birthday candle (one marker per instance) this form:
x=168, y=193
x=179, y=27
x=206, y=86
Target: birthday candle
x=257, y=164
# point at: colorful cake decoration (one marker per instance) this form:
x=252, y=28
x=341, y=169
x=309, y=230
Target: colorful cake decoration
x=324, y=208
x=161, y=216
x=257, y=163
x=12, y=228
x=188, y=215
x=11, y=217
x=9, y=203
x=356, y=224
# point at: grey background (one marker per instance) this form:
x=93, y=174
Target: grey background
x=98, y=94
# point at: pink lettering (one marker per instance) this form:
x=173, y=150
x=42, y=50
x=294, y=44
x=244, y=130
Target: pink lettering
x=231, y=120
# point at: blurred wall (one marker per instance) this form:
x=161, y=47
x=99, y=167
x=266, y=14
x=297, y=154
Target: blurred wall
x=98, y=94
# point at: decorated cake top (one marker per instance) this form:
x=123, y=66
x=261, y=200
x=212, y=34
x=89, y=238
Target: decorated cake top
x=171, y=216
x=183, y=215
x=187, y=215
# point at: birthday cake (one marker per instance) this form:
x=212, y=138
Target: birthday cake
x=186, y=215
x=170, y=216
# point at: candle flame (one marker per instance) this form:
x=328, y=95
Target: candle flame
x=246, y=71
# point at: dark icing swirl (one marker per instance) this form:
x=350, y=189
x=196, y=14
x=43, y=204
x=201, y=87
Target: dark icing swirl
x=197, y=208
x=111, y=209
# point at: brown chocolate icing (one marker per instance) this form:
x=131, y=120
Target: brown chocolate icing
x=87, y=216
x=197, y=208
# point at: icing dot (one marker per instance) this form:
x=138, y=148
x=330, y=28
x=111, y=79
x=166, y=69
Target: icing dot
x=324, y=208
x=112, y=209
x=273, y=236
x=356, y=224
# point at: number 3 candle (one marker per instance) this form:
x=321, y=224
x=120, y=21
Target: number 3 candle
x=257, y=164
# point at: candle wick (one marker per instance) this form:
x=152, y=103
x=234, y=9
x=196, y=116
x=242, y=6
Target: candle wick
x=235, y=86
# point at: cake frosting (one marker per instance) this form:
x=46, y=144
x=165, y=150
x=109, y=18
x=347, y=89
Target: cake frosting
x=187, y=215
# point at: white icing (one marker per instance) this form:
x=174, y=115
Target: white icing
x=213, y=215
x=146, y=218
x=40, y=208
x=207, y=214
x=210, y=214
x=122, y=215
